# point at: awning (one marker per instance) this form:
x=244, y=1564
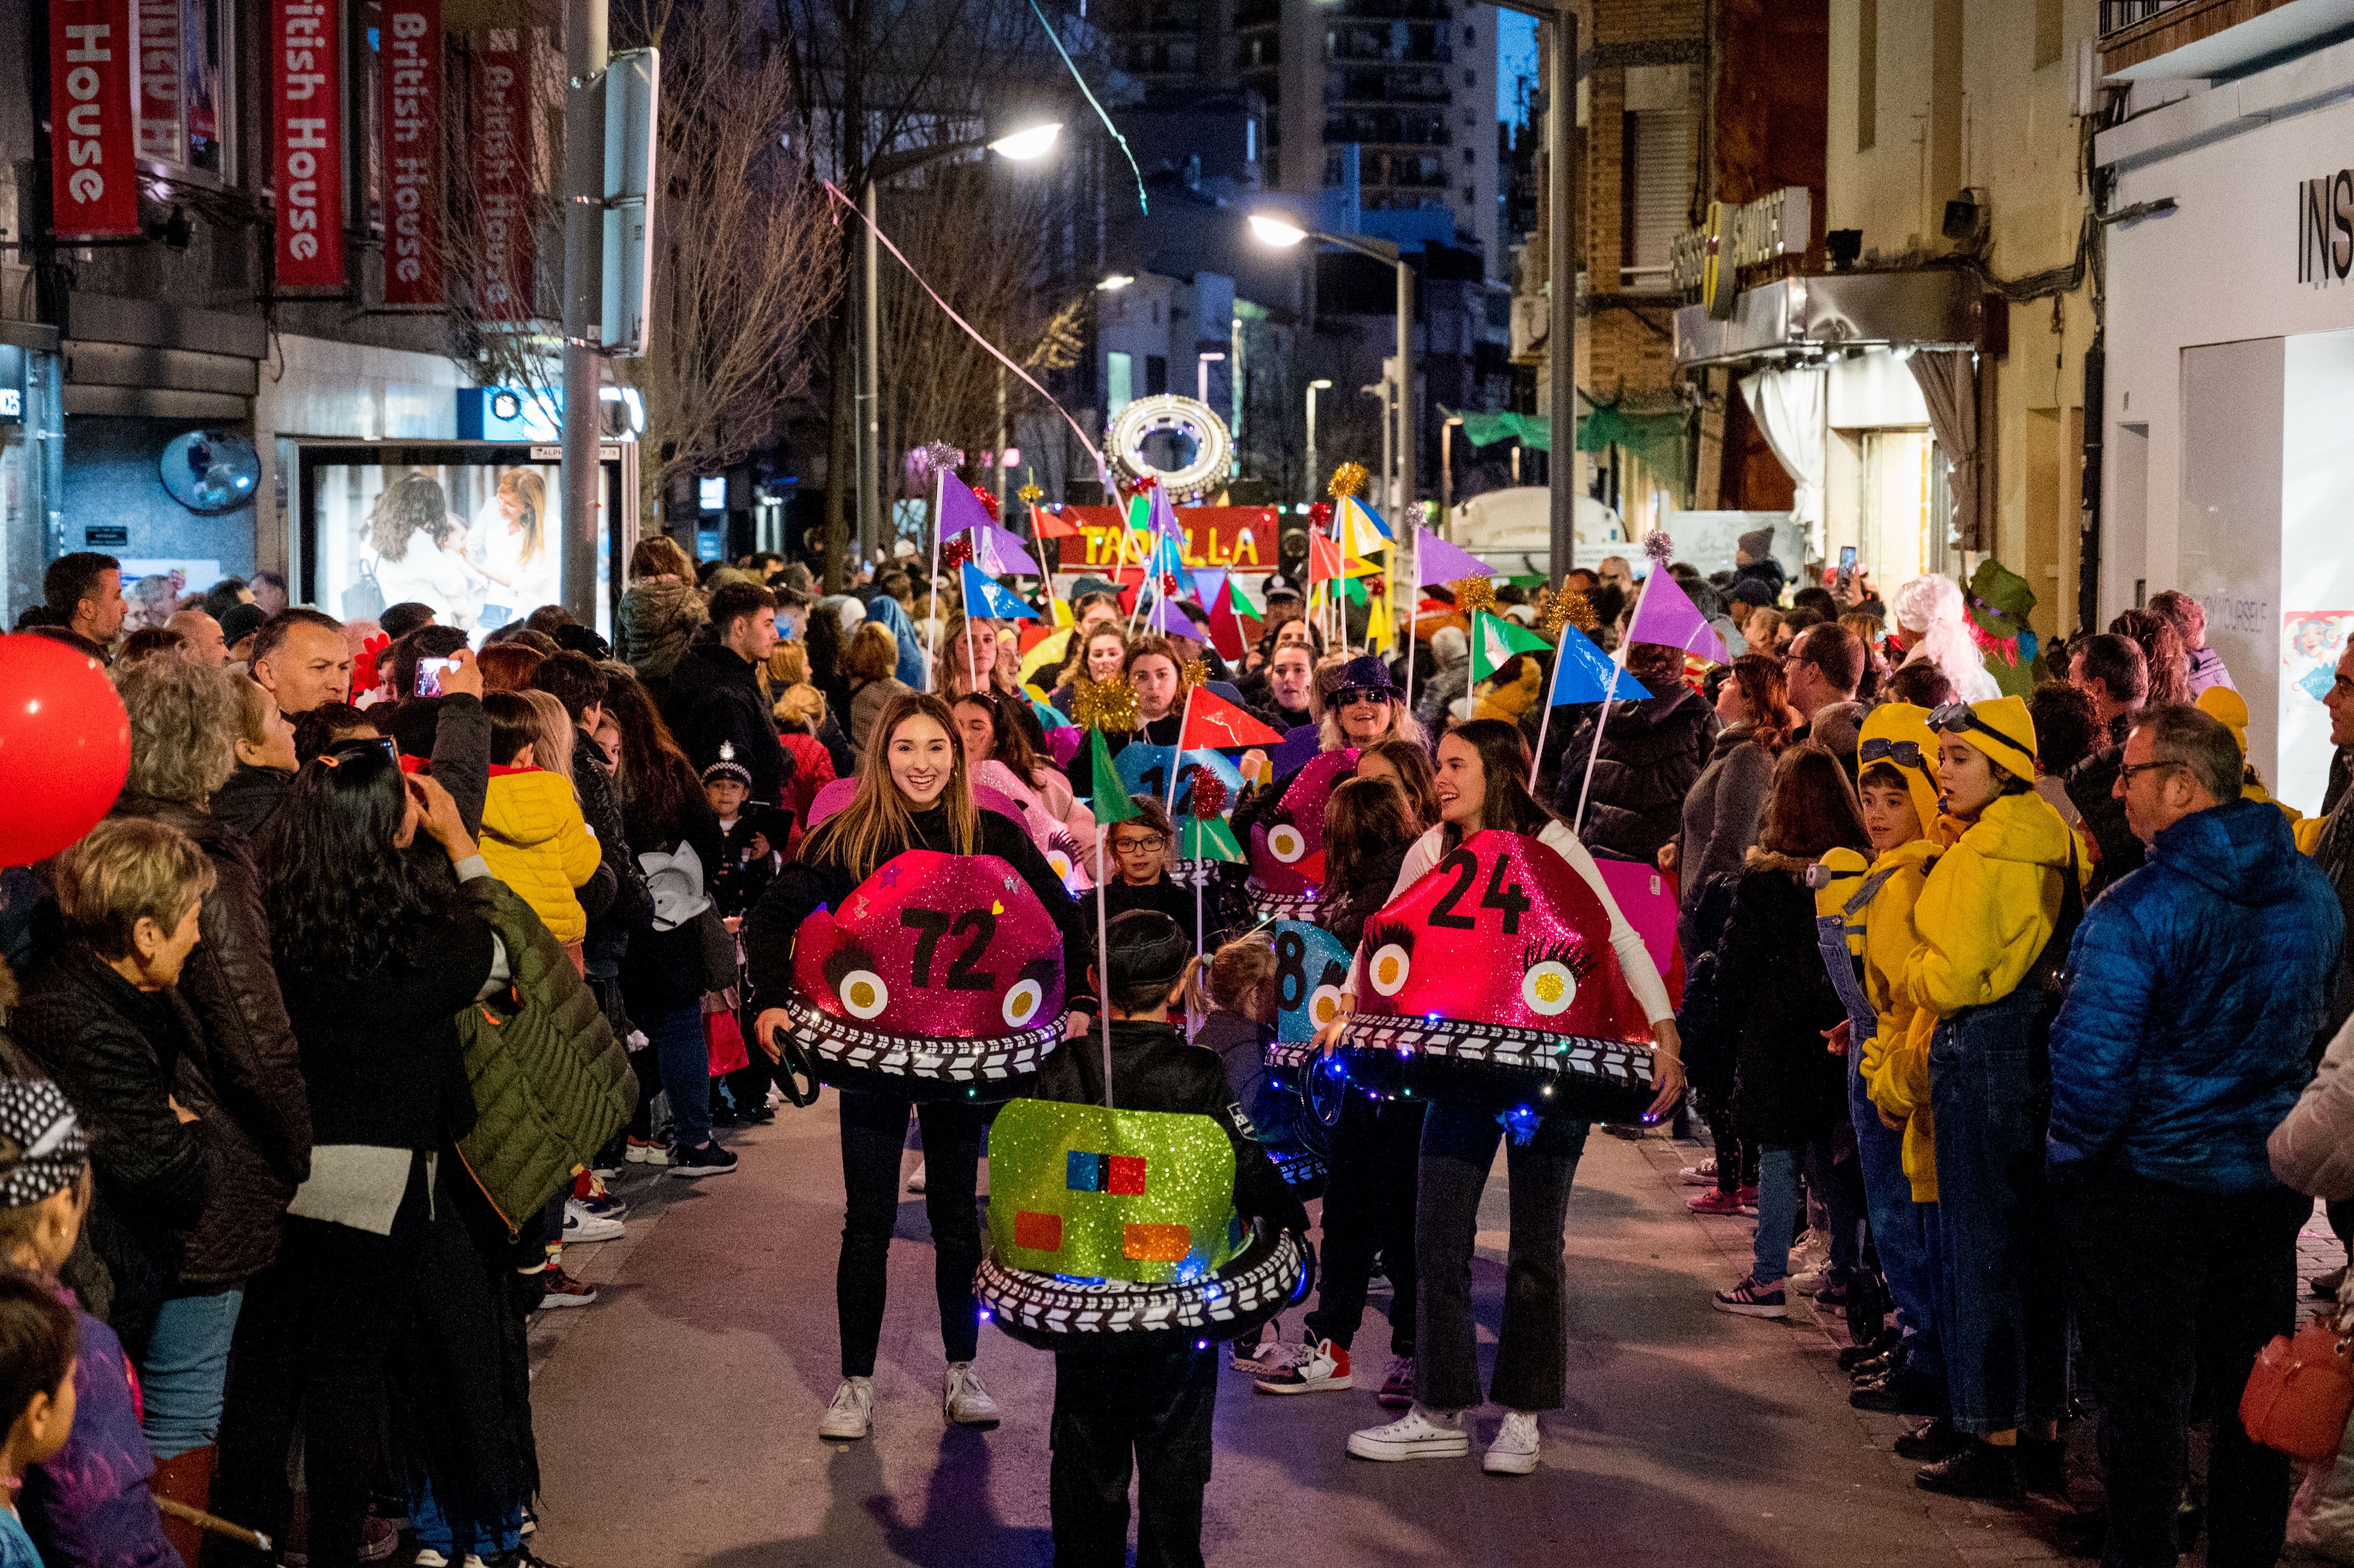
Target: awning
x=1936, y=307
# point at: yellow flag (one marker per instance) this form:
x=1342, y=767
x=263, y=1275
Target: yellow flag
x=1359, y=535
x=1377, y=623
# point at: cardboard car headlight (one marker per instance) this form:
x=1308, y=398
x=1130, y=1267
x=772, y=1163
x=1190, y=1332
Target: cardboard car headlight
x=1493, y=980
x=1116, y=1230
x=940, y=976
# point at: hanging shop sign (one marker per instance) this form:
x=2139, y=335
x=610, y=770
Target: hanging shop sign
x=2325, y=229
x=93, y=191
x=307, y=73
x=499, y=149
x=1708, y=261
x=410, y=71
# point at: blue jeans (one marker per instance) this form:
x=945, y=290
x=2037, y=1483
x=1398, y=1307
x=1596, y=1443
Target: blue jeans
x=1779, y=1194
x=185, y=1371
x=487, y=1539
x=2000, y=1314
x=684, y=1062
x=1904, y=1231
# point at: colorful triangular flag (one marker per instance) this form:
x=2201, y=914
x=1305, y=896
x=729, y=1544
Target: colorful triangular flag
x=1048, y=522
x=1243, y=603
x=1227, y=626
x=1109, y=798
x=1361, y=532
x=1213, y=722
x=959, y=508
x=999, y=552
x=985, y=600
x=1582, y=673
x=1169, y=617
x=1323, y=559
x=1495, y=641
x=1667, y=615
x=1209, y=838
x=1378, y=628
x=1437, y=561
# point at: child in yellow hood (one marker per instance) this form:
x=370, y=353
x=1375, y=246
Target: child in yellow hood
x=533, y=834
x=1889, y=1044
x=1993, y=918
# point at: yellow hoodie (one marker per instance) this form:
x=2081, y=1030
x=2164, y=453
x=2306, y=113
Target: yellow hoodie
x=1895, y=1064
x=536, y=843
x=1990, y=904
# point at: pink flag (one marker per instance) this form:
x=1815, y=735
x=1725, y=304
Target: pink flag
x=959, y=508
x=1437, y=561
x=1668, y=615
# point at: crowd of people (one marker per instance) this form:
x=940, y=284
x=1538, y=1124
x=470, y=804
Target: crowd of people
x=2005, y=1016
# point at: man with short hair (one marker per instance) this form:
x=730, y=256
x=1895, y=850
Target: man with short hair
x=240, y=626
x=397, y=620
x=222, y=595
x=84, y=592
x=715, y=691
x=2195, y=986
x=204, y=645
x=300, y=657
x=270, y=593
x=2112, y=671
x=1825, y=666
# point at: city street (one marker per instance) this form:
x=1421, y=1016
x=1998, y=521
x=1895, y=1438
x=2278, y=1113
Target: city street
x=676, y=1416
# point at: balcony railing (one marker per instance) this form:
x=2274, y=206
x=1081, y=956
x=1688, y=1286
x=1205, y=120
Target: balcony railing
x=2117, y=16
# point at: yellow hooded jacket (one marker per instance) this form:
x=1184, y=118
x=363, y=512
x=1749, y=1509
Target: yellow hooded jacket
x=1993, y=900
x=537, y=843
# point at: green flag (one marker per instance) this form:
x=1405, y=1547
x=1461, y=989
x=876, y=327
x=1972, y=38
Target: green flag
x=1209, y=838
x=1495, y=641
x=1109, y=798
x=1242, y=600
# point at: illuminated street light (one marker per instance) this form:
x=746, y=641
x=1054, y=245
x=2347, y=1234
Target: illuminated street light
x=1029, y=143
x=1274, y=229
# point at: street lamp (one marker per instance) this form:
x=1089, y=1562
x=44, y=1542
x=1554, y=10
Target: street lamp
x=1025, y=145
x=1313, y=388
x=1114, y=282
x=1281, y=231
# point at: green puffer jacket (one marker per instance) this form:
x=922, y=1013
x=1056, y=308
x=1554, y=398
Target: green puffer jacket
x=551, y=1084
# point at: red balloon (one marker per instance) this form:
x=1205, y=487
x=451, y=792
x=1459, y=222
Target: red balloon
x=65, y=747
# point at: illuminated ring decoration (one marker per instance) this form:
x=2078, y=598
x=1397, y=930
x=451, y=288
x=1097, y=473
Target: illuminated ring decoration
x=1214, y=444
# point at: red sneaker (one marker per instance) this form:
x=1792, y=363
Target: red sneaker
x=1749, y=1197
x=1713, y=1202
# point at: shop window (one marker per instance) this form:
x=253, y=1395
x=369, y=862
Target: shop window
x=185, y=85
x=1119, y=381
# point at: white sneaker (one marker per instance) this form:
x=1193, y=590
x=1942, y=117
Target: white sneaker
x=852, y=1414
x=580, y=1226
x=1323, y=1365
x=966, y=1402
x=1811, y=1282
x=1514, y=1451
x=1419, y=1434
x=1701, y=1175
x=429, y=1558
x=1811, y=1252
x=916, y=1181
x=1264, y=1356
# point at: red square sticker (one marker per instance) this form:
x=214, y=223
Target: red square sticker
x=1127, y=1177
x=1039, y=1233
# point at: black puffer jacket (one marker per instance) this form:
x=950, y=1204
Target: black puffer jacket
x=1776, y=998
x=251, y=798
x=1653, y=754
x=247, y=1052
x=120, y=1054
x=715, y=696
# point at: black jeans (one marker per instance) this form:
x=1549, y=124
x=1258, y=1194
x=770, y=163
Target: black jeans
x=1458, y=1145
x=1375, y=1158
x=1107, y=1406
x=312, y=1346
x=873, y=1131
x=2174, y=1290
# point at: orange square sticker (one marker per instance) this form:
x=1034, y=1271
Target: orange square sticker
x=1039, y=1233
x=1156, y=1244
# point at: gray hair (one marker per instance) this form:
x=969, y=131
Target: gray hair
x=185, y=723
x=2181, y=733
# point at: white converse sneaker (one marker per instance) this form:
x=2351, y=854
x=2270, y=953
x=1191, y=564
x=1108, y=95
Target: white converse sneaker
x=966, y=1402
x=852, y=1414
x=1325, y=1366
x=1514, y=1451
x=1419, y=1434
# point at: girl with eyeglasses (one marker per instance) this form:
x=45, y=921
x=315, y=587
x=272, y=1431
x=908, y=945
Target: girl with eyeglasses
x=1138, y=852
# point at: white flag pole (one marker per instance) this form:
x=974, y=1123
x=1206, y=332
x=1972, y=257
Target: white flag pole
x=939, y=516
x=1103, y=964
x=1177, y=753
x=1618, y=660
x=1412, y=593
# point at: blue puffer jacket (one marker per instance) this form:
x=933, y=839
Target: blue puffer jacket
x=2196, y=987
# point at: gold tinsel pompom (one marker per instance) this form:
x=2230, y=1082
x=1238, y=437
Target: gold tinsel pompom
x=1347, y=480
x=1568, y=607
x=1030, y=494
x=1104, y=705
x=1196, y=673
x=1473, y=594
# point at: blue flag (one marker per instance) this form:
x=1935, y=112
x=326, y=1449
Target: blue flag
x=1582, y=673
x=985, y=600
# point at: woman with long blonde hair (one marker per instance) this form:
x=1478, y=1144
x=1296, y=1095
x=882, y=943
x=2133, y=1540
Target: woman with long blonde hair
x=914, y=793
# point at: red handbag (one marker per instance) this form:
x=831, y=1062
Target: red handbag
x=2301, y=1390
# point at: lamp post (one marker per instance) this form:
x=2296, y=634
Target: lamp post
x=1313, y=388
x=1023, y=147
x=1281, y=231
x=1447, y=475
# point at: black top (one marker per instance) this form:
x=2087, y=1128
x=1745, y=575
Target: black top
x=251, y=798
x=1153, y=1070
x=1653, y=754
x=715, y=697
x=1164, y=895
x=2091, y=786
x=804, y=886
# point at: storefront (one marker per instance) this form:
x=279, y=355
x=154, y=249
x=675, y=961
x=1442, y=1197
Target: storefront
x=2228, y=422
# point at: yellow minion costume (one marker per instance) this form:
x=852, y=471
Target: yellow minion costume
x=2229, y=709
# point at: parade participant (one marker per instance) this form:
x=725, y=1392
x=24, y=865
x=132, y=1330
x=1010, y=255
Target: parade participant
x=1099, y=654
x=1994, y=918
x=1286, y=688
x=1156, y=673
x=913, y=794
x=1406, y=764
x=1931, y=629
x=1140, y=850
x=1482, y=773
x=998, y=751
x=1369, y=1195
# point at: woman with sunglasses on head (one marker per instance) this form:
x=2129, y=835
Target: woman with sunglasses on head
x=1358, y=703
x=914, y=793
x=1994, y=919
x=1483, y=769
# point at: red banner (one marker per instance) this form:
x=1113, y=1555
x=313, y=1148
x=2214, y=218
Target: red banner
x=93, y=191
x=410, y=68
x=306, y=72
x=162, y=129
x=501, y=156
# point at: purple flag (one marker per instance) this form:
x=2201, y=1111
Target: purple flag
x=1169, y=617
x=1437, y=561
x=1207, y=582
x=1164, y=519
x=1667, y=615
x=1000, y=551
x=959, y=508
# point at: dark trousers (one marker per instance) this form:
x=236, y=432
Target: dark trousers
x=2174, y=1290
x=873, y=1131
x=1736, y=1162
x=1458, y=1145
x=1107, y=1407
x=312, y=1346
x=1376, y=1156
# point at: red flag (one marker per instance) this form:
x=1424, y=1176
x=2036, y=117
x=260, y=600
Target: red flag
x=1050, y=524
x=1225, y=631
x=1214, y=724
x=1325, y=564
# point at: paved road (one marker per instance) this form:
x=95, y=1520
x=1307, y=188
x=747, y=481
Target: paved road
x=676, y=1417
